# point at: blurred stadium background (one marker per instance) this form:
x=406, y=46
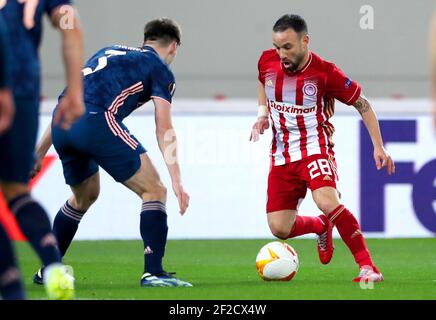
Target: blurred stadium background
x=222, y=41
x=215, y=106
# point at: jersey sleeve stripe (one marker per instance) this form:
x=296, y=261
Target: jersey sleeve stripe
x=353, y=96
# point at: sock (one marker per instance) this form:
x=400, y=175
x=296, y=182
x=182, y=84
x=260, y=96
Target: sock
x=11, y=287
x=65, y=226
x=306, y=224
x=154, y=230
x=34, y=223
x=349, y=230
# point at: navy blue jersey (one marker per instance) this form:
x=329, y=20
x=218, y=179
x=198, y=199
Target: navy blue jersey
x=24, y=44
x=4, y=56
x=120, y=79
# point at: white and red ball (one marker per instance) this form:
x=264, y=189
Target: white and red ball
x=277, y=261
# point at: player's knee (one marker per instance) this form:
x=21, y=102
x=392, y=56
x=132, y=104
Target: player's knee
x=13, y=190
x=279, y=230
x=280, y=233
x=85, y=202
x=156, y=193
x=10, y=275
x=326, y=205
x=93, y=196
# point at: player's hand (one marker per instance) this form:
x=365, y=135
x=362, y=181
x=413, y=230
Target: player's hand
x=182, y=197
x=70, y=109
x=30, y=7
x=259, y=127
x=383, y=159
x=7, y=110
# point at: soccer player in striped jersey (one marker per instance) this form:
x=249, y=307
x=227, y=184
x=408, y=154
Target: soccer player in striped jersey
x=296, y=92
x=118, y=80
x=23, y=19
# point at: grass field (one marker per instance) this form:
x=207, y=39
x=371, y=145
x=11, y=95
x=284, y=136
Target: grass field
x=225, y=269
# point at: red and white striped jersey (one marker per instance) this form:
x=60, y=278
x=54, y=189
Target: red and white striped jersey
x=300, y=105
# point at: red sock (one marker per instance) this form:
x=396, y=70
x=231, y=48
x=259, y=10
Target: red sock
x=306, y=224
x=349, y=230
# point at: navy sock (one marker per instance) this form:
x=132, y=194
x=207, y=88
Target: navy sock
x=11, y=287
x=65, y=226
x=154, y=230
x=34, y=223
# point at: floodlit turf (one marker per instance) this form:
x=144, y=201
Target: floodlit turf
x=225, y=269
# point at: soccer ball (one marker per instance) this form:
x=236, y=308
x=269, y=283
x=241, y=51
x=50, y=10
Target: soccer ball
x=277, y=261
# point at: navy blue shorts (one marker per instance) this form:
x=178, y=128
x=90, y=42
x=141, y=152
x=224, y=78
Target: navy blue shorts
x=97, y=139
x=17, y=145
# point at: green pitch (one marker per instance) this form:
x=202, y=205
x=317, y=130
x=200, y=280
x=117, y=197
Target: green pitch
x=225, y=269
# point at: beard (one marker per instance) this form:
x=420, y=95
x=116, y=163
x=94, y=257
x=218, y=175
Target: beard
x=296, y=64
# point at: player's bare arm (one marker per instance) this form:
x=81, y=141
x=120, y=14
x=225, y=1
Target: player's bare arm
x=41, y=150
x=167, y=140
x=71, y=107
x=262, y=122
x=381, y=156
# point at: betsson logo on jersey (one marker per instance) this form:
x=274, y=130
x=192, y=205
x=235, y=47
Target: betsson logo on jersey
x=291, y=108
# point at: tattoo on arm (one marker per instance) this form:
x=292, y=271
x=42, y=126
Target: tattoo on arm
x=362, y=105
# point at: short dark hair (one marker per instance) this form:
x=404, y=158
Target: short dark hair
x=292, y=21
x=162, y=30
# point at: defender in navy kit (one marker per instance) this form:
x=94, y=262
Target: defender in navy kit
x=117, y=80
x=23, y=20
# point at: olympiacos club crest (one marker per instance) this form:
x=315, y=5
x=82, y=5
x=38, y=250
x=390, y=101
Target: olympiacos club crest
x=310, y=89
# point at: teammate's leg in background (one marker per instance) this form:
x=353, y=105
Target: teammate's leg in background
x=33, y=221
x=11, y=286
x=35, y=225
x=17, y=162
x=327, y=200
x=154, y=228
